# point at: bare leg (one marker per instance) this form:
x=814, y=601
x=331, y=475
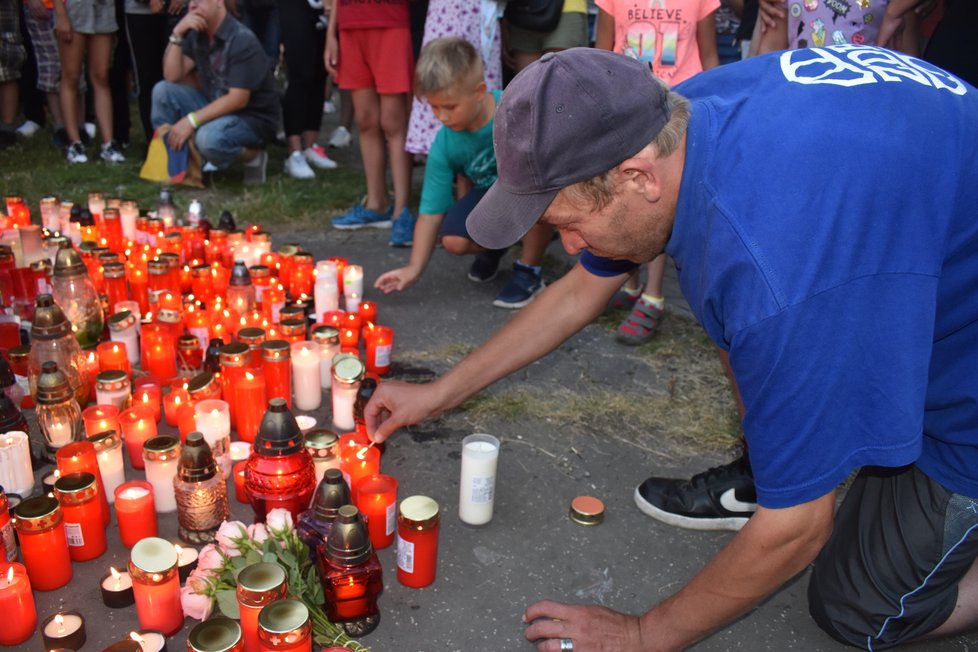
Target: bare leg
x=964, y=618
x=657, y=269
x=71, y=63
x=294, y=143
x=54, y=106
x=99, y=57
x=366, y=109
x=308, y=139
x=535, y=244
x=458, y=245
x=393, y=123
x=9, y=95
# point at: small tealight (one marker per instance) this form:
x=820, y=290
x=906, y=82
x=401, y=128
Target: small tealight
x=65, y=629
x=117, y=589
x=186, y=561
x=150, y=640
x=587, y=510
x=240, y=451
x=48, y=480
x=306, y=423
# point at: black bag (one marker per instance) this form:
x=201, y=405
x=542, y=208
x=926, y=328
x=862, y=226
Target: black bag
x=534, y=15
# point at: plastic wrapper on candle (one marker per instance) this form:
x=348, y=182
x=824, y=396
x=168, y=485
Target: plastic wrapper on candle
x=377, y=501
x=258, y=586
x=78, y=496
x=348, y=371
x=40, y=528
x=161, y=454
x=213, y=420
x=306, y=386
x=16, y=604
x=480, y=454
x=156, y=585
x=418, y=525
x=135, y=512
x=138, y=425
x=16, y=474
x=108, y=451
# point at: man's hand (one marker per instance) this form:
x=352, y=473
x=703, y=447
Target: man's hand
x=180, y=133
x=590, y=628
x=331, y=57
x=190, y=22
x=397, y=279
x=396, y=404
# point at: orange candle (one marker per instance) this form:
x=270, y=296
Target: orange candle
x=138, y=424
x=147, y=394
x=240, y=493
x=356, y=464
x=349, y=339
x=78, y=495
x=377, y=500
x=172, y=403
x=186, y=420
x=16, y=604
x=135, y=511
x=380, y=343
x=250, y=401
x=276, y=365
x=43, y=545
x=161, y=358
x=112, y=356
x=368, y=312
x=99, y=418
x=79, y=457
x=156, y=585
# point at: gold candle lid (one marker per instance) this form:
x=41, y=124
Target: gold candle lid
x=283, y=617
x=217, y=634
x=37, y=514
x=153, y=555
x=326, y=335
x=252, y=335
x=419, y=512
x=320, y=440
x=587, y=510
x=122, y=320
x=199, y=384
x=261, y=583
x=233, y=355
x=273, y=350
x=75, y=488
x=112, y=379
x=105, y=440
x=161, y=448
x=347, y=368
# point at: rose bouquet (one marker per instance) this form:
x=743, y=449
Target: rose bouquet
x=214, y=581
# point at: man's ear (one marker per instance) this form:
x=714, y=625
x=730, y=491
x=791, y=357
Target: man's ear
x=642, y=174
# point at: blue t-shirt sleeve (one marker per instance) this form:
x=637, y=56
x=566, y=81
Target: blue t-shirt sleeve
x=835, y=383
x=600, y=266
x=439, y=175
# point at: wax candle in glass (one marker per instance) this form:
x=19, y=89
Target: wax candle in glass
x=306, y=385
x=117, y=589
x=16, y=474
x=80, y=456
x=240, y=491
x=480, y=453
x=161, y=454
x=124, y=330
x=258, y=585
x=250, y=395
x=201, y=492
x=172, y=403
x=40, y=529
x=349, y=569
x=348, y=371
x=315, y=523
x=285, y=626
x=277, y=369
x=380, y=343
x=138, y=424
x=190, y=355
x=322, y=445
x=213, y=420
x=113, y=388
x=328, y=339
x=156, y=585
x=77, y=494
x=358, y=463
x=108, y=450
x=368, y=312
x=135, y=512
x=52, y=341
x=234, y=360
x=279, y=472
x=325, y=293
x=147, y=393
x=8, y=542
x=113, y=356
x=377, y=501
x=16, y=604
x=418, y=524
x=217, y=634
x=58, y=414
x=99, y=418
x=64, y=630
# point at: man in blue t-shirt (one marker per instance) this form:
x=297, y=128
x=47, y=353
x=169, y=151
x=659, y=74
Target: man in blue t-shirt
x=820, y=206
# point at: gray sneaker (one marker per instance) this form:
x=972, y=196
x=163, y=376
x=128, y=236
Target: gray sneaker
x=111, y=153
x=254, y=170
x=76, y=153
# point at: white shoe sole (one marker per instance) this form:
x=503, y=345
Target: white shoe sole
x=385, y=224
x=730, y=524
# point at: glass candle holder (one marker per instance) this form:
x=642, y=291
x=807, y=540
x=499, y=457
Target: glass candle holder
x=16, y=473
x=350, y=572
x=218, y=634
x=358, y=463
x=113, y=356
x=258, y=586
x=307, y=388
x=201, y=492
x=279, y=472
x=380, y=343
x=172, y=403
x=58, y=414
x=277, y=369
x=285, y=626
x=234, y=359
x=377, y=501
x=190, y=355
x=16, y=604
x=328, y=339
x=124, y=330
x=213, y=419
x=147, y=393
x=293, y=330
x=322, y=445
x=348, y=371
x=77, y=494
x=250, y=397
x=156, y=585
x=99, y=418
x=80, y=457
x=418, y=525
x=135, y=512
x=138, y=425
x=315, y=523
x=41, y=531
x=113, y=388
x=161, y=454
x=108, y=450
x=238, y=471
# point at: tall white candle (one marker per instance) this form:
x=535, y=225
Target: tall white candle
x=129, y=337
x=16, y=475
x=307, y=393
x=352, y=301
x=353, y=280
x=112, y=468
x=160, y=474
x=128, y=214
x=213, y=419
x=344, y=396
x=326, y=353
x=480, y=453
x=325, y=294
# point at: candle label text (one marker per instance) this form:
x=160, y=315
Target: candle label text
x=482, y=489
x=73, y=532
x=405, y=555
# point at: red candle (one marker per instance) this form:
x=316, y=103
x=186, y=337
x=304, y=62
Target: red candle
x=138, y=424
x=380, y=343
x=333, y=318
x=112, y=355
x=352, y=321
x=377, y=500
x=277, y=367
x=349, y=339
x=80, y=457
x=146, y=393
x=16, y=604
x=239, y=482
x=156, y=585
x=135, y=511
x=186, y=420
x=172, y=403
x=43, y=545
x=368, y=312
x=78, y=495
x=139, y=288
x=418, y=524
x=100, y=418
x=250, y=401
x=356, y=464
x=161, y=357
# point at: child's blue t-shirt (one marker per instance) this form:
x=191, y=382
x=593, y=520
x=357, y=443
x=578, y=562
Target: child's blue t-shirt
x=827, y=236
x=469, y=153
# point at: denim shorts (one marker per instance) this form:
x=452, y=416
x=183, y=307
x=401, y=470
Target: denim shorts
x=92, y=16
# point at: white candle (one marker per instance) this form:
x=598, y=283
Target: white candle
x=16, y=474
x=128, y=214
x=325, y=295
x=160, y=474
x=306, y=423
x=112, y=468
x=327, y=352
x=307, y=391
x=117, y=581
x=344, y=395
x=213, y=420
x=116, y=397
x=352, y=302
x=129, y=337
x=240, y=451
x=149, y=641
x=63, y=625
x=353, y=280
x=480, y=453
x=59, y=433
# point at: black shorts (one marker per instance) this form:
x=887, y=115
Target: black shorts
x=454, y=222
x=890, y=571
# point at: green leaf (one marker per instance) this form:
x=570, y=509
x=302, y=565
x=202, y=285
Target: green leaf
x=227, y=602
x=237, y=563
x=252, y=557
x=269, y=558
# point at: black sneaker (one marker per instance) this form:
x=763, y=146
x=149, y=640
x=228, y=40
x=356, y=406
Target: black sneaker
x=722, y=498
x=486, y=264
x=60, y=138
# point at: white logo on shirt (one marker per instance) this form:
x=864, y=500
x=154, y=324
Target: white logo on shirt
x=855, y=65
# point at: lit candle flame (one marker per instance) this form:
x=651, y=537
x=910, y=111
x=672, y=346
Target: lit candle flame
x=249, y=375
x=10, y=576
x=136, y=637
x=215, y=412
x=61, y=623
x=117, y=577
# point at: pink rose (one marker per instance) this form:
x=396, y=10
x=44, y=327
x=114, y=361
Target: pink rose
x=210, y=559
x=194, y=604
x=279, y=521
x=229, y=537
x=258, y=533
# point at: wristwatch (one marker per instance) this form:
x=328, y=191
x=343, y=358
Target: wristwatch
x=176, y=40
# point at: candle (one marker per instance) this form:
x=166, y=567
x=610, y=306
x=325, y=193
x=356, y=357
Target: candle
x=172, y=403
x=240, y=450
x=368, y=312
x=480, y=453
x=138, y=425
x=258, y=585
x=377, y=500
x=353, y=280
x=328, y=339
x=186, y=561
x=380, y=342
x=418, y=524
x=149, y=640
x=161, y=455
x=113, y=388
x=16, y=474
x=306, y=423
x=108, y=450
x=347, y=373
x=64, y=630
x=284, y=626
x=42, y=543
x=240, y=493
x=156, y=585
x=325, y=293
x=212, y=419
x=80, y=457
x=161, y=357
x=275, y=364
x=117, y=589
x=48, y=480
x=217, y=634
x=322, y=445
x=352, y=302
x=100, y=418
x=250, y=401
x=306, y=385
x=78, y=495
x=16, y=604
x=135, y=511
x=356, y=464
x=349, y=338
x=147, y=394
x=113, y=356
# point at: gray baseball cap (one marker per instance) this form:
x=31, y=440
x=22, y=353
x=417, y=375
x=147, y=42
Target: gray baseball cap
x=566, y=118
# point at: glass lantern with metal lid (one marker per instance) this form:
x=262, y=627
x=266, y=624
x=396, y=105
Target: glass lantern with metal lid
x=52, y=341
x=73, y=291
x=279, y=472
x=315, y=523
x=201, y=492
x=351, y=573
x=58, y=414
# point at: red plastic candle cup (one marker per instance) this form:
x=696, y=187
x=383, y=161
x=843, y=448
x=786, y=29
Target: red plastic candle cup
x=78, y=495
x=112, y=356
x=43, y=545
x=333, y=318
x=368, y=312
x=99, y=418
x=156, y=585
x=16, y=604
x=135, y=511
x=238, y=471
x=138, y=424
x=380, y=343
x=355, y=440
x=249, y=403
x=349, y=338
x=172, y=403
x=146, y=393
x=377, y=500
x=357, y=464
x=186, y=420
x=80, y=456
x=418, y=523
x=277, y=367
